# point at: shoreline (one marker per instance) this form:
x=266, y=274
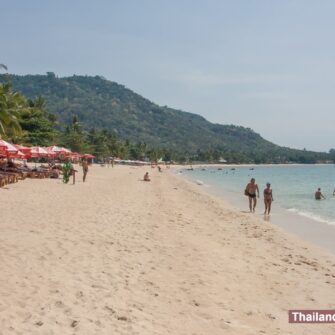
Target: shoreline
x=119, y=255
x=321, y=234
x=225, y=165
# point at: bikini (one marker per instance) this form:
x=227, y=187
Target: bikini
x=268, y=195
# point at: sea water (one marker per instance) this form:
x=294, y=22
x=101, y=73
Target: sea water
x=293, y=186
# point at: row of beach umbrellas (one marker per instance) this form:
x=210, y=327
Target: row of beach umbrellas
x=19, y=151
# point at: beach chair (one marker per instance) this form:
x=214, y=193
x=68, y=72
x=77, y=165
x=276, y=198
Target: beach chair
x=3, y=180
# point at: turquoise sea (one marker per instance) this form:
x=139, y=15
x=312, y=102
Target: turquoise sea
x=293, y=187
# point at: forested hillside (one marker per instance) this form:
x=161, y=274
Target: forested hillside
x=102, y=104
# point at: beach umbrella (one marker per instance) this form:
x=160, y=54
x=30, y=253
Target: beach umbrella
x=23, y=149
x=66, y=152
x=55, y=149
x=6, y=147
x=38, y=152
x=89, y=156
x=58, y=150
x=75, y=155
x=18, y=154
x=49, y=151
x=20, y=147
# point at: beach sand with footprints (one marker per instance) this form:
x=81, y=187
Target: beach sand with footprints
x=117, y=255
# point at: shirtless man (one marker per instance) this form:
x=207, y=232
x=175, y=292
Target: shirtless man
x=250, y=191
x=268, y=198
x=319, y=195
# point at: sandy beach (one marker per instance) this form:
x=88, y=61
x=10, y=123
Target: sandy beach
x=117, y=255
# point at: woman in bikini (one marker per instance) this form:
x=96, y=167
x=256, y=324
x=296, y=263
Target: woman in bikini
x=84, y=164
x=268, y=198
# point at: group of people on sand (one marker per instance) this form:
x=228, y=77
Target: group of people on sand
x=68, y=171
x=251, y=189
x=146, y=176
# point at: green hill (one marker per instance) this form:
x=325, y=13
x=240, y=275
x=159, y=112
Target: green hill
x=100, y=103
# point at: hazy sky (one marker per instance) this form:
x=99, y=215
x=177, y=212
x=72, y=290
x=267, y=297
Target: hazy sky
x=267, y=65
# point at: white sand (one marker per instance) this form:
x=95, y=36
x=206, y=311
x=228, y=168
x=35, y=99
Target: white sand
x=117, y=255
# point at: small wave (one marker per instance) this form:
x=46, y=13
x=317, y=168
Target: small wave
x=294, y=210
x=311, y=216
x=201, y=183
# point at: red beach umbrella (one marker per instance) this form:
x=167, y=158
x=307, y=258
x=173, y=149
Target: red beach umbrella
x=23, y=149
x=66, y=152
x=49, y=151
x=75, y=155
x=17, y=154
x=6, y=147
x=58, y=150
x=89, y=156
x=38, y=152
x=55, y=149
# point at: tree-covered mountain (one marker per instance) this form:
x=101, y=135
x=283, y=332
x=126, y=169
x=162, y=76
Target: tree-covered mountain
x=102, y=104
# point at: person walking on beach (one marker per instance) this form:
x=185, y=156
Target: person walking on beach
x=250, y=191
x=68, y=171
x=73, y=174
x=84, y=164
x=319, y=195
x=268, y=198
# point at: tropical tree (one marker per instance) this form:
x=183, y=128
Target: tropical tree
x=38, y=125
x=98, y=142
x=11, y=105
x=74, y=137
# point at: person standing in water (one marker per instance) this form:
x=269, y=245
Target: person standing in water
x=318, y=195
x=250, y=191
x=268, y=198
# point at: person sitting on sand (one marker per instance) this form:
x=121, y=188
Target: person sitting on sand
x=319, y=195
x=268, y=198
x=250, y=191
x=146, y=177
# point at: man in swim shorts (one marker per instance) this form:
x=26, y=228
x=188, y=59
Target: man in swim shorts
x=250, y=191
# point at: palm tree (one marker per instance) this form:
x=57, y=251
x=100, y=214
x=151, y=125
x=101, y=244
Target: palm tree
x=11, y=104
